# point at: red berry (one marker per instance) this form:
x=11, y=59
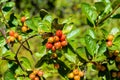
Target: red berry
x=63, y=37
x=59, y=33
x=11, y=33
x=40, y=73
x=51, y=39
x=64, y=43
x=36, y=78
x=109, y=43
x=32, y=76
x=53, y=48
x=57, y=66
x=58, y=45
x=49, y=45
x=23, y=19
x=56, y=38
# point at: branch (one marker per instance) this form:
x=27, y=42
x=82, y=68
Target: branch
x=107, y=16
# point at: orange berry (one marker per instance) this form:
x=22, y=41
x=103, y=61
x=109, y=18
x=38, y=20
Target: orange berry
x=64, y=43
x=59, y=33
x=36, y=78
x=24, y=28
x=116, y=52
x=58, y=45
x=12, y=39
x=11, y=33
x=35, y=71
x=81, y=73
x=19, y=38
x=103, y=68
x=16, y=35
x=56, y=38
x=70, y=75
x=109, y=43
x=76, y=77
x=40, y=73
x=53, y=49
x=51, y=39
x=75, y=71
x=32, y=76
x=110, y=37
x=23, y=19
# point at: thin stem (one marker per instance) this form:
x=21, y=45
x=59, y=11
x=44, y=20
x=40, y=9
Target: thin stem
x=107, y=16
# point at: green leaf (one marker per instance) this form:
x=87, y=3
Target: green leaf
x=90, y=12
x=73, y=34
x=67, y=28
x=25, y=63
x=9, y=75
x=102, y=48
x=115, y=3
x=91, y=32
x=100, y=6
x=43, y=13
x=91, y=45
x=33, y=23
x=117, y=16
x=114, y=31
x=48, y=18
x=7, y=7
x=2, y=1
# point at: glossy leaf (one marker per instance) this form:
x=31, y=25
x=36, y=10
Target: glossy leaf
x=9, y=75
x=91, y=45
x=90, y=12
x=73, y=34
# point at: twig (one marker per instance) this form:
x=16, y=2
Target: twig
x=107, y=16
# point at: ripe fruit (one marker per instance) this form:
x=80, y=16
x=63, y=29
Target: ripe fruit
x=36, y=78
x=23, y=19
x=109, y=43
x=40, y=73
x=114, y=74
x=19, y=38
x=63, y=37
x=76, y=77
x=11, y=33
x=59, y=33
x=16, y=35
x=110, y=37
x=81, y=73
x=51, y=39
x=53, y=49
x=32, y=76
x=12, y=39
x=75, y=71
x=56, y=66
x=49, y=45
x=64, y=43
x=117, y=59
x=70, y=75
x=35, y=71
x=56, y=38
x=24, y=29
x=57, y=45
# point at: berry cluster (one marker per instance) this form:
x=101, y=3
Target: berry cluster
x=36, y=74
x=57, y=41
x=24, y=27
x=109, y=40
x=76, y=74
x=14, y=35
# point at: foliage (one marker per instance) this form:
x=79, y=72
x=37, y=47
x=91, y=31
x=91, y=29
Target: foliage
x=58, y=41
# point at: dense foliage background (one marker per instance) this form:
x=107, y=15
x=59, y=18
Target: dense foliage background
x=86, y=24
